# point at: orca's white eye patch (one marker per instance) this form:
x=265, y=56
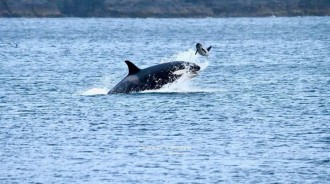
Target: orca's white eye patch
x=180, y=72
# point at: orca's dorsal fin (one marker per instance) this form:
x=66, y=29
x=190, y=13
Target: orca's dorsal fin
x=132, y=69
x=208, y=49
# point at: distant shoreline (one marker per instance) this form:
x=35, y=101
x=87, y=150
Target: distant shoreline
x=163, y=17
x=162, y=8
x=214, y=17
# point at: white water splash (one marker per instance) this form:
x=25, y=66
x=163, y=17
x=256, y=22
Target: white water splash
x=105, y=81
x=95, y=91
x=189, y=56
x=184, y=84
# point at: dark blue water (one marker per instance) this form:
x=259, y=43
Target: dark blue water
x=258, y=112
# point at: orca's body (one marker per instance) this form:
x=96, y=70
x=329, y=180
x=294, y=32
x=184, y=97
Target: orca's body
x=153, y=77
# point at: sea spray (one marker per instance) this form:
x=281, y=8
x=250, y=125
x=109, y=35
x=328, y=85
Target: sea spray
x=184, y=84
x=95, y=91
x=188, y=56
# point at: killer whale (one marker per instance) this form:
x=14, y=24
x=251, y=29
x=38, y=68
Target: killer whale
x=153, y=77
x=201, y=50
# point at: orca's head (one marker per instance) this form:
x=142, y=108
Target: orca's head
x=183, y=67
x=199, y=45
x=193, y=68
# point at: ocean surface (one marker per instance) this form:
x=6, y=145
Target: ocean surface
x=258, y=112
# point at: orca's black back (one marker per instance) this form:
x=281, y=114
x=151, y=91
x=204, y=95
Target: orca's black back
x=153, y=77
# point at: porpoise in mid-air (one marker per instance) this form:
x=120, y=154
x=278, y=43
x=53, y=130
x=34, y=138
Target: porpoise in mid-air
x=202, y=51
x=153, y=77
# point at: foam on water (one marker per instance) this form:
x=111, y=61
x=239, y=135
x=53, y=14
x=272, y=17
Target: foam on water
x=105, y=81
x=95, y=91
